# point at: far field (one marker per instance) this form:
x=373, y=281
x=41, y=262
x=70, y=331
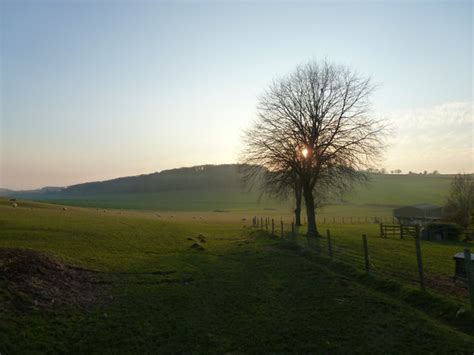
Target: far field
x=239, y=290
x=377, y=198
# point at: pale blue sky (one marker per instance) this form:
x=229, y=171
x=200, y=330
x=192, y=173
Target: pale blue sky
x=100, y=89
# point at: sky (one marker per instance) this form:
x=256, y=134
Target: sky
x=92, y=90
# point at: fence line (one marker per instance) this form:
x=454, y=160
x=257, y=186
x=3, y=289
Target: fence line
x=402, y=230
x=368, y=258
x=342, y=220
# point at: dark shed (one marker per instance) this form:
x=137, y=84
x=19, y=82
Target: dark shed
x=418, y=214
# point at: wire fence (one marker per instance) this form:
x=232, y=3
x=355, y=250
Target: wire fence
x=356, y=219
x=407, y=261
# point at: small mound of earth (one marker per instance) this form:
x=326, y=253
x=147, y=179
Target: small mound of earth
x=32, y=279
x=197, y=246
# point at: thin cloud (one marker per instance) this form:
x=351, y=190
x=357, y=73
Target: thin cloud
x=434, y=138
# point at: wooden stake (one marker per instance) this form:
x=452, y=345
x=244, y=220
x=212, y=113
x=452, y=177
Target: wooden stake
x=420, y=263
x=329, y=243
x=366, y=253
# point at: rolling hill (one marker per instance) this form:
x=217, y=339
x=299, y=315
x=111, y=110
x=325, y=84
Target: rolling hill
x=212, y=187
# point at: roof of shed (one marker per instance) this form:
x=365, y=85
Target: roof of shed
x=425, y=206
x=422, y=210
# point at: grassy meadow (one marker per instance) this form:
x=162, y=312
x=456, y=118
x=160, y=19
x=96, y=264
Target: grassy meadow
x=242, y=291
x=377, y=198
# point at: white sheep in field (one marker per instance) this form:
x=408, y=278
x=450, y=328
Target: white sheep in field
x=14, y=205
x=64, y=208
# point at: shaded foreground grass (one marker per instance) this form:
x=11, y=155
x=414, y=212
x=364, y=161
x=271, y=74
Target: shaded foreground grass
x=245, y=292
x=395, y=258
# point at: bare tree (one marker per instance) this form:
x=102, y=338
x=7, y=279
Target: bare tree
x=460, y=203
x=283, y=183
x=280, y=182
x=315, y=123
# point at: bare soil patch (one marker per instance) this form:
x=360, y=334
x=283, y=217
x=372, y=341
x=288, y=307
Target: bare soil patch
x=36, y=280
x=196, y=246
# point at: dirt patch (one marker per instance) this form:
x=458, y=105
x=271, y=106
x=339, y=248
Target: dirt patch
x=197, y=247
x=162, y=272
x=31, y=279
x=446, y=285
x=182, y=281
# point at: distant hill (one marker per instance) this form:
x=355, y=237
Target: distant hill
x=5, y=192
x=43, y=191
x=193, y=178
x=190, y=178
x=219, y=187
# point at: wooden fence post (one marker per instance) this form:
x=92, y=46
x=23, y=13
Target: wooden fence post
x=401, y=231
x=273, y=227
x=469, y=274
x=281, y=229
x=381, y=230
x=420, y=263
x=318, y=244
x=366, y=253
x=261, y=222
x=329, y=243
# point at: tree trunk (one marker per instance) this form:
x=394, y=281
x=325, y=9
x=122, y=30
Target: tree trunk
x=298, y=198
x=310, y=212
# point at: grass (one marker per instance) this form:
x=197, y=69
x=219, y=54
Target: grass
x=378, y=198
x=395, y=258
x=246, y=292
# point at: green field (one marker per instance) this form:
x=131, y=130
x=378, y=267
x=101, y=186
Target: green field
x=395, y=259
x=245, y=292
x=378, y=197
